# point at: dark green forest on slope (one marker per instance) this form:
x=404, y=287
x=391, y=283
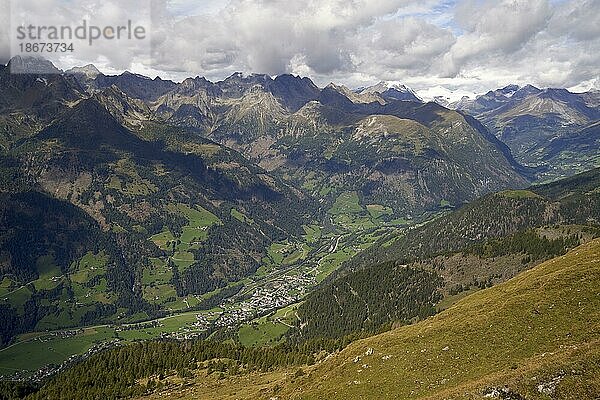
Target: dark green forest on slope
x=399, y=279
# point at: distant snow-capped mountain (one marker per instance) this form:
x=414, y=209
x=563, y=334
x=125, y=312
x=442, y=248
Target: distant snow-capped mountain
x=444, y=96
x=391, y=91
x=90, y=71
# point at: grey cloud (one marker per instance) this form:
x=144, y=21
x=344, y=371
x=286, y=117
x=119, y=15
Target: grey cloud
x=409, y=44
x=473, y=45
x=495, y=27
x=4, y=38
x=272, y=36
x=100, y=13
x=578, y=20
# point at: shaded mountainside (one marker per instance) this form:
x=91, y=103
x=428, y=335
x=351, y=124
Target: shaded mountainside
x=119, y=206
x=61, y=273
x=35, y=225
x=30, y=102
x=41, y=239
x=574, y=200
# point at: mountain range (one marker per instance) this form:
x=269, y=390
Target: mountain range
x=142, y=156
x=403, y=154
x=552, y=129
x=268, y=210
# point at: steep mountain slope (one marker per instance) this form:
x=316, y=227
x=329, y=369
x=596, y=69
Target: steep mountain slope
x=35, y=225
x=38, y=233
x=293, y=91
x=528, y=119
x=542, y=324
x=155, y=203
x=368, y=301
x=408, y=276
x=573, y=200
x=375, y=297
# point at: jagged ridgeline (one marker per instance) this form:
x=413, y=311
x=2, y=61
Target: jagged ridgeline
x=382, y=142
x=407, y=156
x=553, y=129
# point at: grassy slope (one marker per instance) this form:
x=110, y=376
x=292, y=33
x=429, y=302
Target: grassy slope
x=543, y=317
x=542, y=324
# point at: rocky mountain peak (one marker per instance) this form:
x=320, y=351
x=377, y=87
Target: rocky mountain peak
x=392, y=91
x=32, y=65
x=89, y=71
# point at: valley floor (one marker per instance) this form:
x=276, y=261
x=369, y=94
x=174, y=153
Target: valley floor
x=537, y=336
x=295, y=269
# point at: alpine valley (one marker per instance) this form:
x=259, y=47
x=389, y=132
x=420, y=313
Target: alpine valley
x=263, y=237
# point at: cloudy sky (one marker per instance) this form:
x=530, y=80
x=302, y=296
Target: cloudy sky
x=464, y=46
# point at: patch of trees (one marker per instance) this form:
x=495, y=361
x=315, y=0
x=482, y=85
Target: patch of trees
x=116, y=373
x=10, y=324
x=100, y=312
x=35, y=225
x=368, y=299
x=218, y=298
x=198, y=278
x=15, y=390
x=526, y=242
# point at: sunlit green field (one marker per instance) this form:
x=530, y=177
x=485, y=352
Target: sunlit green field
x=319, y=251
